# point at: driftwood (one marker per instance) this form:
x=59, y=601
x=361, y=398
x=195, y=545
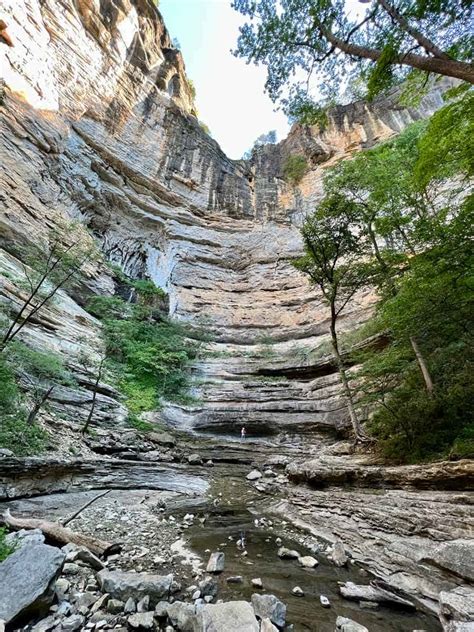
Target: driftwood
x=61, y=535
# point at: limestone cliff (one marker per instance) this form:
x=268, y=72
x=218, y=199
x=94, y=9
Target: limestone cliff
x=97, y=123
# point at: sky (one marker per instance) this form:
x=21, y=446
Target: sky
x=230, y=94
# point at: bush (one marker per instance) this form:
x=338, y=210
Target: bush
x=5, y=549
x=143, y=426
x=294, y=169
x=43, y=365
x=22, y=438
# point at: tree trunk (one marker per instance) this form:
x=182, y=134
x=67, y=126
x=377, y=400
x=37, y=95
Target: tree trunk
x=94, y=397
x=38, y=405
x=423, y=367
x=358, y=432
x=57, y=533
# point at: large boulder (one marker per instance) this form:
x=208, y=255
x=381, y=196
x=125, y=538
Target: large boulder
x=233, y=616
x=123, y=586
x=269, y=607
x=27, y=580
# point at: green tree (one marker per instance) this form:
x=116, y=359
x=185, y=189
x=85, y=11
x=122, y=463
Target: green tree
x=298, y=37
x=334, y=261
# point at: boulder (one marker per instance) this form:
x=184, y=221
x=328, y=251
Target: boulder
x=233, y=616
x=194, y=459
x=287, y=554
x=125, y=586
x=456, y=606
x=348, y=625
x=269, y=607
x=27, y=579
x=25, y=537
x=216, y=563
x=182, y=616
x=82, y=554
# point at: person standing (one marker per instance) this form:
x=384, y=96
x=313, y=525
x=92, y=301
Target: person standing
x=243, y=433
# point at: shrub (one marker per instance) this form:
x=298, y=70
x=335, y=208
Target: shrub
x=135, y=422
x=22, y=438
x=5, y=549
x=294, y=169
x=43, y=365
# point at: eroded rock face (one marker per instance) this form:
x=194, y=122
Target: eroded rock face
x=104, y=132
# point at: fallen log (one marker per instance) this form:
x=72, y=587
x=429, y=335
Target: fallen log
x=61, y=535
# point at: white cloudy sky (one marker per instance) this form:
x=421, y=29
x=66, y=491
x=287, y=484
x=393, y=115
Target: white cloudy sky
x=230, y=96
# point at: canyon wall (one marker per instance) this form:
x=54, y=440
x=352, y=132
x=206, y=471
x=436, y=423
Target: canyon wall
x=98, y=124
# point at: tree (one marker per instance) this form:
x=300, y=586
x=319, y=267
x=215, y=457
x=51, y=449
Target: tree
x=334, y=260
x=93, y=367
x=46, y=273
x=270, y=138
x=391, y=38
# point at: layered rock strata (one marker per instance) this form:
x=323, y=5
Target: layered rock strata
x=97, y=124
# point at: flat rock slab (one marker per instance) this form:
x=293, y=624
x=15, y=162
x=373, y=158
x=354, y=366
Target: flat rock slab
x=123, y=586
x=349, y=590
x=27, y=579
x=234, y=616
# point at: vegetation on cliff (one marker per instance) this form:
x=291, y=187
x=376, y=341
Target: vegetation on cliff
x=392, y=219
x=328, y=43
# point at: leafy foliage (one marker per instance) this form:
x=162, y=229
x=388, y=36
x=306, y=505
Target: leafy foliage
x=5, y=549
x=148, y=356
x=297, y=39
x=294, y=168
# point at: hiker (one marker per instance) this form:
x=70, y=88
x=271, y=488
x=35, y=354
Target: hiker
x=243, y=433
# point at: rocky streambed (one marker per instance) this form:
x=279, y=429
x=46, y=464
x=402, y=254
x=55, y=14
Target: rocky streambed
x=277, y=538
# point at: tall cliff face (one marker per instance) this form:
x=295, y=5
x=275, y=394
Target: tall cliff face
x=97, y=123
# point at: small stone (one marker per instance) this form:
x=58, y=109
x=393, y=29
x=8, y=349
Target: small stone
x=370, y=605
x=254, y=475
x=208, y=598
x=235, y=579
x=348, y=625
x=194, y=459
x=338, y=555
x=257, y=582
x=210, y=463
x=216, y=563
x=267, y=626
x=196, y=595
x=308, y=561
x=324, y=601
x=115, y=606
x=71, y=569
x=208, y=586
x=298, y=592
x=130, y=606
x=278, y=541
x=61, y=588
x=161, y=609
x=144, y=604
x=72, y=623
x=100, y=603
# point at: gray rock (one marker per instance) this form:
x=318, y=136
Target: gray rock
x=324, y=601
x=27, y=581
x=5, y=452
x=338, y=555
x=456, y=606
x=298, y=592
x=208, y=587
x=456, y=556
x=141, y=621
x=25, y=537
x=194, y=459
x=161, y=609
x=44, y=625
x=287, y=554
x=308, y=561
x=233, y=616
x=72, y=623
x=257, y=582
x=357, y=592
x=144, y=604
x=115, y=606
x=216, y=563
x=235, y=579
x=61, y=588
x=130, y=606
x=82, y=554
x=348, y=625
x=269, y=607
x=182, y=616
x=122, y=585
x=254, y=475
x=267, y=626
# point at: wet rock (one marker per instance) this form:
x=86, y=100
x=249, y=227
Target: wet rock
x=27, y=581
x=235, y=579
x=356, y=592
x=324, y=601
x=298, y=592
x=233, y=616
x=141, y=621
x=72, y=623
x=308, y=561
x=182, y=616
x=216, y=563
x=348, y=625
x=287, y=554
x=338, y=554
x=254, y=475
x=122, y=585
x=269, y=607
x=257, y=582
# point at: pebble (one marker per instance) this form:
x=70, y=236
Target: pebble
x=257, y=582
x=324, y=601
x=298, y=592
